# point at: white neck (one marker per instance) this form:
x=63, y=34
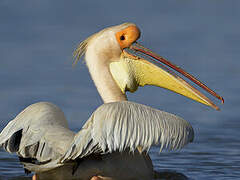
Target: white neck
x=98, y=66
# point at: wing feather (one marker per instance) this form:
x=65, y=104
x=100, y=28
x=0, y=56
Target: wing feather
x=125, y=125
x=38, y=135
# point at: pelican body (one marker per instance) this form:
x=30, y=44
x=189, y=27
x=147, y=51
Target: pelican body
x=114, y=142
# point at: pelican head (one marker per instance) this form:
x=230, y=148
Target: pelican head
x=117, y=63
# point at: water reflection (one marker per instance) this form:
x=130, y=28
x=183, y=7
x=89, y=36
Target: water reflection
x=169, y=175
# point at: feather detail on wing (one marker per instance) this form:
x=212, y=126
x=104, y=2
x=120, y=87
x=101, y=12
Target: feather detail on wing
x=125, y=125
x=38, y=135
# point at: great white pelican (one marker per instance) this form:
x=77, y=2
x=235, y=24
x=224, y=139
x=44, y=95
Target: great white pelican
x=114, y=142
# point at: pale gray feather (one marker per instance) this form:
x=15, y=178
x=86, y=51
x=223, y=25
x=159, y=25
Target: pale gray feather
x=40, y=132
x=125, y=125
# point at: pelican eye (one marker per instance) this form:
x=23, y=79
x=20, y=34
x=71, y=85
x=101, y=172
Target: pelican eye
x=122, y=37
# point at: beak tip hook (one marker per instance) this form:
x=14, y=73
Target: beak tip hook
x=222, y=100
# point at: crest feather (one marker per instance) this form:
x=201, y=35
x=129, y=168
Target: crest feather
x=81, y=49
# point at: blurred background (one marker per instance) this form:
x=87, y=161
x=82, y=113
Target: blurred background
x=37, y=39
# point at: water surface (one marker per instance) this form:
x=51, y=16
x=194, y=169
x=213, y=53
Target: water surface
x=36, y=44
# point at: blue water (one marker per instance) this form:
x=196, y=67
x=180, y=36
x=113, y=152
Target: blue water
x=36, y=43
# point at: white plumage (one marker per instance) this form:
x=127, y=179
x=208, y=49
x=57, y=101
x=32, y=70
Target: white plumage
x=121, y=125
x=40, y=136
x=40, y=133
